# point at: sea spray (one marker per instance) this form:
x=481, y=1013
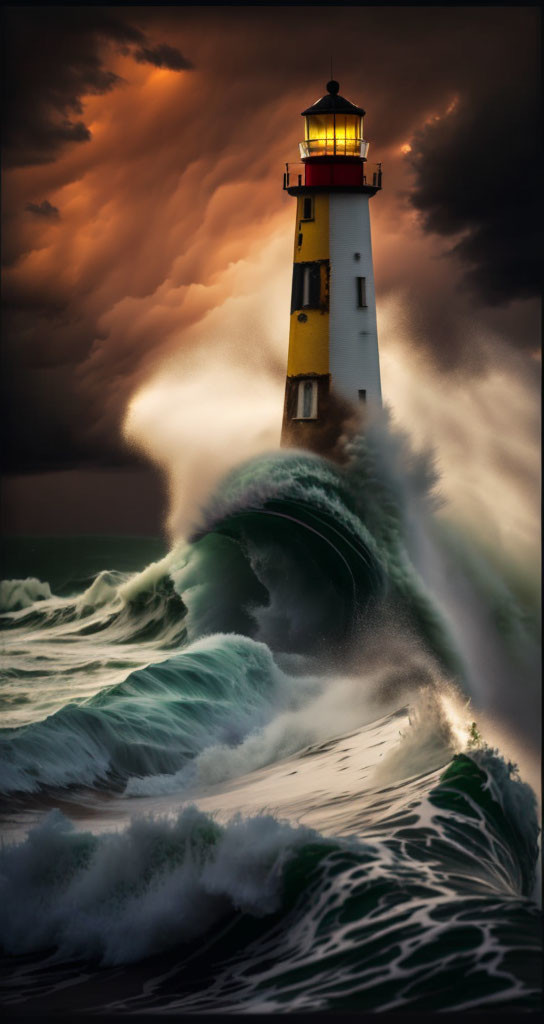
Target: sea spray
x=297, y=655
x=18, y=594
x=121, y=896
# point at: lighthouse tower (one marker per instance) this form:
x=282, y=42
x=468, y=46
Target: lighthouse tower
x=333, y=363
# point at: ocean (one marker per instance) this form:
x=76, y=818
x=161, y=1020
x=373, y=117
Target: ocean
x=265, y=770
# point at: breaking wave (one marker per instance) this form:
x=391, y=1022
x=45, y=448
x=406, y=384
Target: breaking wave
x=295, y=917
x=292, y=653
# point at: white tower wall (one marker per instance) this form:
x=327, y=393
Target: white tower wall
x=353, y=334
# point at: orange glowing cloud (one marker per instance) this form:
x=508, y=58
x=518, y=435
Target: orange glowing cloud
x=171, y=252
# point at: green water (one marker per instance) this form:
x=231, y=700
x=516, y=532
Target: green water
x=68, y=562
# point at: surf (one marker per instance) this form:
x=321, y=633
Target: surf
x=275, y=740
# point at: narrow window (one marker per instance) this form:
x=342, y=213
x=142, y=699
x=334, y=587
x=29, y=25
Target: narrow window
x=307, y=400
x=308, y=395
x=362, y=394
x=361, y=292
x=306, y=286
x=307, y=208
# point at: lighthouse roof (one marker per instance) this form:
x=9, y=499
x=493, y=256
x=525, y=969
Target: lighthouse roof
x=333, y=103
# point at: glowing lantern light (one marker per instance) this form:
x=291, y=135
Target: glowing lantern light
x=334, y=127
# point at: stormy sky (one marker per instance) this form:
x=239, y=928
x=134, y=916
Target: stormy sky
x=147, y=242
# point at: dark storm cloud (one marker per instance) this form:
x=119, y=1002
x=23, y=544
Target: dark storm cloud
x=52, y=58
x=183, y=175
x=163, y=56
x=43, y=209
x=477, y=175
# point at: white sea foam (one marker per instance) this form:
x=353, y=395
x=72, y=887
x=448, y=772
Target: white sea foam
x=18, y=594
x=122, y=896
x=306, y=710
x=141, y=582
x=103, y=590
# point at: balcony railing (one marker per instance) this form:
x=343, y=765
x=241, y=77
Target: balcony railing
x=333, y=146
x=294, y=176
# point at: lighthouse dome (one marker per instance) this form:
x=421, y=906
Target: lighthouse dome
x=334, y=127
x=333, y=103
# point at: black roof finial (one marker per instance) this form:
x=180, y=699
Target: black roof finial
x=333, y=103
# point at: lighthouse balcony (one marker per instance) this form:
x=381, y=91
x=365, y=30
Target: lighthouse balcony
x=330, y=174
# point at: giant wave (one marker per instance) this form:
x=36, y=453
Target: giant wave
x=290, y=709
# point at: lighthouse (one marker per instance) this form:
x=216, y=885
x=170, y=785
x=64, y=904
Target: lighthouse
x=333, y=362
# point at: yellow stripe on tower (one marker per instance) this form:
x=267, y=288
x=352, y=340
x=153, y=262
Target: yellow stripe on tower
x=309, y=338
x=315, y=232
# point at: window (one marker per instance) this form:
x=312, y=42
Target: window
x=307, y=208
x=310, y=285
x=361, y=292
x=307, y=400
x=362, y=394
x=306, y=279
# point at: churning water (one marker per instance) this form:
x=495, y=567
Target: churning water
x=255, y=776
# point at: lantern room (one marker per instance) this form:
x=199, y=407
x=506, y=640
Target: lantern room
x=333, y=128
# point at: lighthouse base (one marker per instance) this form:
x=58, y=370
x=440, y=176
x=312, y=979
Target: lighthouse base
x=336, y=420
